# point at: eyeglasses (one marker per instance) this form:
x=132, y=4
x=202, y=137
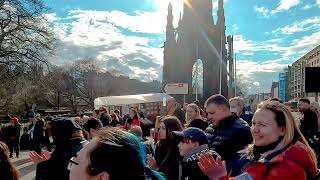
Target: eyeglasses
x=72, y=163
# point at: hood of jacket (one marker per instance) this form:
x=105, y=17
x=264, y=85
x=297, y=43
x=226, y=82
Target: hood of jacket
x=300, y=154
x=194, y=154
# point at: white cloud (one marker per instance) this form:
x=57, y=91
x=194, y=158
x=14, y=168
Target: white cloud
x=291, y=50
x=89, y=34
x=304, y=44
x=248, y=53
x=258, y=76
x=308, y=6
x=51, y=17
x=240, y=43
x=146, y=22
x=285, y=5
x=262, y=10
x=256, y=83
x=305, y=25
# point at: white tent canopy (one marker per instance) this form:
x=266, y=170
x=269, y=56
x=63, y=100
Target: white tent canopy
x=129, y=99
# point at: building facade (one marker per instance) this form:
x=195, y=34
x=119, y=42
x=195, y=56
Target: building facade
x=296, y=74
x=283, y=85
x=313, y=57
x=275, y=90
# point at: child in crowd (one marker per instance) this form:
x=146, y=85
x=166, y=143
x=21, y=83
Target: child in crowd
x=193, y=142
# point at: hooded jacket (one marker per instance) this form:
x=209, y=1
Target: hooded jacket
x=199, y=123
x=189, y=169
x=66, y=146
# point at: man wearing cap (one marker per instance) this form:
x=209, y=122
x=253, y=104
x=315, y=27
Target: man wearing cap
x=14, y=135
x=193, y=143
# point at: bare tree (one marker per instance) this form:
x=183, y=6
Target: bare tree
x=242, y=86
x=25, y=36
x=90, y=82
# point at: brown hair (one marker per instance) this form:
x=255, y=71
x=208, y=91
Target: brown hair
x=172, y=124
x=217, y=99
x=8, y=171
x=136, y=115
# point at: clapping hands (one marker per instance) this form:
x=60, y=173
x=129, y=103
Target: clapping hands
x=36, y=158
x=214, y=169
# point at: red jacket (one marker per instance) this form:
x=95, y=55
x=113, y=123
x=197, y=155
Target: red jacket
x=290, y=164
x=135, y=122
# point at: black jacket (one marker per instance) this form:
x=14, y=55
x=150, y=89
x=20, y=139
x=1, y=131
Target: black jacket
x=180, y=115
x=14, y=132
x=56, y=166
x=247, y=117
x=38, y=131
x=168, y=162
x=199, y=123
x=232, y=135
x=189, y=164
x=67, y=145
x=309, y=124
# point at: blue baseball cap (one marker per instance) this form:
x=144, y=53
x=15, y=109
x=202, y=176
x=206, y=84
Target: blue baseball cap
x=193, y=133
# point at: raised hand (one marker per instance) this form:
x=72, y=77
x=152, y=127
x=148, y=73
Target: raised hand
x=152, y=162
x=214, y=169
x=46, y=154
x=36, y=158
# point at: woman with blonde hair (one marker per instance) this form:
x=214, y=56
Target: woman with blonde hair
x=193, y=117
x=279, y=150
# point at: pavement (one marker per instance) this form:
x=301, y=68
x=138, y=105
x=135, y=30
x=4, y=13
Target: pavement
x=25, y=166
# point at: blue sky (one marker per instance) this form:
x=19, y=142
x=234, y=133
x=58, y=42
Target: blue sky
x=127, y=35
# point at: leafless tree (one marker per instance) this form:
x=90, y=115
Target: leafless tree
x=89, y=81
x=25, y=35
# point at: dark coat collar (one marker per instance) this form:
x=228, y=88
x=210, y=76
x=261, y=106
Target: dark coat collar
x=228, y=121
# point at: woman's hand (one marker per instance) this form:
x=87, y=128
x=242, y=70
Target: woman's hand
x=214, y=169
x=152, y=163
x=36, y=158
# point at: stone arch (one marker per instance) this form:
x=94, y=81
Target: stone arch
x=197, y=81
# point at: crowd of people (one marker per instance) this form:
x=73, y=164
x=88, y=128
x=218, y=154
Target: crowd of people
x=219, y=142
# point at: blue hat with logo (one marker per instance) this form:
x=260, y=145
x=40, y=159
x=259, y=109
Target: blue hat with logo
x=193, y=133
